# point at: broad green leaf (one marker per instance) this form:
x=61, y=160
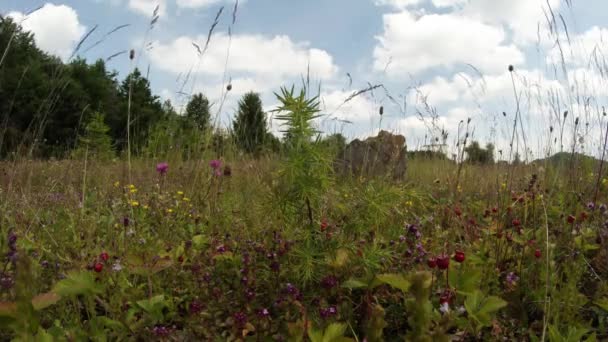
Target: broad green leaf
x=602, y=303
x=110, y=323
x=199, y=241
x=137, y=266
x=77, y=283
x=492, y=304
x=354, y=284
x=395, y=280
x=334, y=331
x=315, y=335
x=43, y=336
x=43, y=301
x=481, y=308
x=151, y=304
x=464, y=281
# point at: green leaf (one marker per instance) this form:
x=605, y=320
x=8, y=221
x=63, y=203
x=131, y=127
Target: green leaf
x=492, y=304
x=43, y=336
x=199, y=241
x=153, y=306
x=334, y=331
x=395, y=280
x=464, y=281
x=354, y=284
x=315, y=335
x=43, y=301
x=602, y=303
x=481, y=308
x=137, y=266
x=77, y=283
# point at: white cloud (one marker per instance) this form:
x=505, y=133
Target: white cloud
x=202, y=3
x=411, y=44
x=584, y=49
x=523, y=17
x=448, y=3
x=147, y=7
x=400, y=4
x=277, y=57
x=56, y=28
x=359, y=108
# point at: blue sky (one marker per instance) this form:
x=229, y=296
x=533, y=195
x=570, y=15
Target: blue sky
x=440, y=61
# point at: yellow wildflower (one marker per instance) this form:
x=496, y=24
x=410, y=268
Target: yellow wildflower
x=181, y=193
x=116, y=184
x=134, y=204
x=186, y=199
x=169, y=210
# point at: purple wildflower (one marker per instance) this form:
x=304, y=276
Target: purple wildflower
x=328, y=312
x=329, y=282
x=162, y=168
x=221, y=249
x=591, y=206
x=240, y=319
x=161, y=331
x=215, y=164
x=195, y=307
x=511, y=279
x=264, y=313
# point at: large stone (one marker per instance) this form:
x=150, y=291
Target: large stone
x=383, y=155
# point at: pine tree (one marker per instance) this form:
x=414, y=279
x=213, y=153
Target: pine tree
x=249, y=126
x=96, y=143
x=197, y=112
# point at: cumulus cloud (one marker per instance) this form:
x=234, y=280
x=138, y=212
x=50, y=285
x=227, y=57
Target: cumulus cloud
x=400, y=4
x=146, y=7
x=276, y=56
x=522, y=17
x=583, y=49
x=201, y=3
x=412, y=44
x=56, y=28
x=359, y=108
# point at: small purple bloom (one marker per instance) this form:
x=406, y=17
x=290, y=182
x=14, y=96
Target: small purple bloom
x=220, y=249
x=328, y=312
x=240, y=319
x=125, y=221
x=162, y=168
x=591, y=206
x=263, y=313
x=6, y=282
x=161, y=331
x=215, y=164
x=329, y=282
x=512, y=278
x=195, y=307
x=250, y=294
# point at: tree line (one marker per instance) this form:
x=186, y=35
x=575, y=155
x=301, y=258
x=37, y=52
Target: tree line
x=53, y=109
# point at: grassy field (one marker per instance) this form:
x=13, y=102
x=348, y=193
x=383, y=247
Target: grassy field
x=202, y=251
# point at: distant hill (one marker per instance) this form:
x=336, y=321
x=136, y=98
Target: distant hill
x=562, y=159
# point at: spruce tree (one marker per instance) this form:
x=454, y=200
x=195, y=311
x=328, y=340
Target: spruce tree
x=197, y=112
x=249, y=126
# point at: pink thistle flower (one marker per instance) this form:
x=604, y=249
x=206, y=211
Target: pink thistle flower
x=162, y=168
